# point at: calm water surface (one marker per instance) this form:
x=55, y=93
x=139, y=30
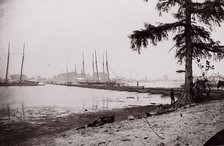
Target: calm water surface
x=40, y=104
x=52, y=95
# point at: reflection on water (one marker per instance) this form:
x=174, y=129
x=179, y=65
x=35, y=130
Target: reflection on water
x=50, y=101
x=51, y=95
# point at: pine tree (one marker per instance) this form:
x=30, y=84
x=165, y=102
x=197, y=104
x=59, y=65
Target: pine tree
x=195, y=21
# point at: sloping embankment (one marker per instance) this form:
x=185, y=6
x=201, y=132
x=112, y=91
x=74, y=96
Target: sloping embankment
x=186, y=126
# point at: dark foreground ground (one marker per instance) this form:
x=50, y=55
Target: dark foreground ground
x=191, y=125
x=17, y=132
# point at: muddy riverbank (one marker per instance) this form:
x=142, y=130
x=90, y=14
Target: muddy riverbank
x=190, y=125
x=49, y=123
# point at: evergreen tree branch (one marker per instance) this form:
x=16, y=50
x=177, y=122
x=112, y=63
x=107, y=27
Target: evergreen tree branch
x=209, y=12
x=165, y=5
x=139, y=38
x=211, y=47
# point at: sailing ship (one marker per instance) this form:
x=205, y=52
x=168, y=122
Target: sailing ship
x=21, y=81
x=98, y=79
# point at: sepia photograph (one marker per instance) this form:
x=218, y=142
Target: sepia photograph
x=111, y=72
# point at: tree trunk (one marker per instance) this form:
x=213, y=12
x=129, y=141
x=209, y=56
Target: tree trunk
x=187, y=96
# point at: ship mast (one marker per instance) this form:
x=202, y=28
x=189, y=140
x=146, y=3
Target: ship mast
x=93, y=66
x=67, y=73
x=7, y=68
x=107, y=67
x=83, y=65
x=97, y=73
x=75, y=72
x=21, y=71
x=103, y=68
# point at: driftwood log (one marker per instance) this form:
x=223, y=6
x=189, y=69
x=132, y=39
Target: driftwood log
x=98, y=122
x=159, y=111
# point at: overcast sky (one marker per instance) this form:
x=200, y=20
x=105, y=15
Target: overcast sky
x=56, y=32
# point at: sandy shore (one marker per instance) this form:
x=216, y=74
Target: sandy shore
x=186, y=126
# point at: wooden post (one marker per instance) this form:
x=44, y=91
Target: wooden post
x=23, y=110
x=107, y=103
x=8, y=109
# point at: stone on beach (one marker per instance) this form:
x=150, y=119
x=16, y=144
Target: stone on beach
x=131, y=118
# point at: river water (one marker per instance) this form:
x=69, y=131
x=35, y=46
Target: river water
x=63, y=100
x=77, y=97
